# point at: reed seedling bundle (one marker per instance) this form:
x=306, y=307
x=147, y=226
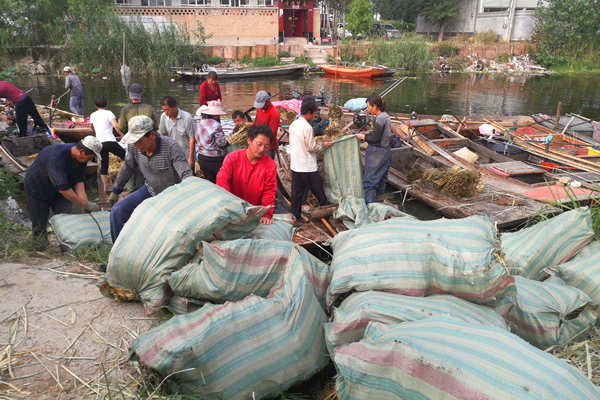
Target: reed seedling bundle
x=455, y=181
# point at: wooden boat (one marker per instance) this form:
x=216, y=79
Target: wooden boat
x=353, y=72
x=71, y=134
x=278, y=70
x=320, y=227
x=503, y=174
x=18, y=153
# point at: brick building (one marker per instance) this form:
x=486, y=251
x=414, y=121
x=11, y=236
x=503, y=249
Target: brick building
x=231, y=22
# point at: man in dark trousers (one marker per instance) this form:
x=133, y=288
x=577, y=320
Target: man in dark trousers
x=159, y=159
x=23, y=107
x=55, y=181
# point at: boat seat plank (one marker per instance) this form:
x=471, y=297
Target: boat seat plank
x=515, y=168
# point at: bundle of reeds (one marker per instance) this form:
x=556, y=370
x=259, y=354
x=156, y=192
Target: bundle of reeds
x=239, y=136
x=287, y=116
x=455, y=181
x=114, y=165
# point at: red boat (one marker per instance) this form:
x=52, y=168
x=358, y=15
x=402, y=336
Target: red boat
x=353, y=72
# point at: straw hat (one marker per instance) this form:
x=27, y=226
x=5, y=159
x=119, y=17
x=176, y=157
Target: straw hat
x=212, y=108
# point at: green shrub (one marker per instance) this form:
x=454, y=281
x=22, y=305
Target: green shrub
x=410, y=52
x=264, y=61
x=486, y=38
x=447, y=50
x=246, y=60
x=504, y=58
x=283, y=54
x=304, y=60
x=215, y=60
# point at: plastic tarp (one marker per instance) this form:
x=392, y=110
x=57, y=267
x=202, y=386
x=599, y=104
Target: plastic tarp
x=278, y=230
x=166, y=230
x=251, y=349
x=420, y=258
x=550, y=242
x=356, y=104
x=344, y=185
x=351, y=318
x=76, y=230
x=442, y=358
x=548, y=313
x=232, y=270
x=583, y=272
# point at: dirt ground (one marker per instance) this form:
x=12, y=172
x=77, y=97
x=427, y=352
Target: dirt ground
x=59, y=337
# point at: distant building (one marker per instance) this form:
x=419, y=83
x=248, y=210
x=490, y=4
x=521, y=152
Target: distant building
x=511, y=19
x=230, y=22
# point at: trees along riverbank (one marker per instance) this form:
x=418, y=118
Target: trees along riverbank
x=89, y=35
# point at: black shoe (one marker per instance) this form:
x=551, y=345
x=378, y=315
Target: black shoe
x=102, y=267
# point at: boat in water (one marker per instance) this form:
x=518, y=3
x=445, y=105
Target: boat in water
x=242, y=73
x=354, y=72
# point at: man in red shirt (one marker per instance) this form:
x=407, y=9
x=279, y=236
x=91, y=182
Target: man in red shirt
x=250, y=174
x=209, y=89
x=23, y=107
x=267, y=114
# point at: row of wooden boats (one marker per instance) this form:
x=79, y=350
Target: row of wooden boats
x=527, y=169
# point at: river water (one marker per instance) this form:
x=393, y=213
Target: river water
x=460, y=94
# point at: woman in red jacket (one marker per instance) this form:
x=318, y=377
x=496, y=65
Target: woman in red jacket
x=209, y=90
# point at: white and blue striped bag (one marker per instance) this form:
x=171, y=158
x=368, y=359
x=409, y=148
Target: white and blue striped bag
x=443, y=358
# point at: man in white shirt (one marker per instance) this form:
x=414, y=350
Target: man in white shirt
x=303, y=158
x=177, y=124
x=103, y=123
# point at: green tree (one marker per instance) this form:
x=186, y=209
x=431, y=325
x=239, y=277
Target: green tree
x=439, y=12
x=567, y=28
x=32, y=22
x=359, y=18
x=403, y=10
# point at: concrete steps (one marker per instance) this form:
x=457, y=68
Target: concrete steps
x=318, y=54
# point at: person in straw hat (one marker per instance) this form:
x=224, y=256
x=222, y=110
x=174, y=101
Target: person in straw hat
x=55, y=181
x=210, y=139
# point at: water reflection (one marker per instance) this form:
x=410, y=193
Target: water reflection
x=460, y=94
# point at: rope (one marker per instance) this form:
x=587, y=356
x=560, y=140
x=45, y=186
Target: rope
x=313, y=242
x=98, y=225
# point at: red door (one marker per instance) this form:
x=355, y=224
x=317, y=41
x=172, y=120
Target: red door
x=294, y=23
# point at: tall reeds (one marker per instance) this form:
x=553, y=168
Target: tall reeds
x=410, y=52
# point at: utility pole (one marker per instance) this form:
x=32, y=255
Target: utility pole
x=511, y=19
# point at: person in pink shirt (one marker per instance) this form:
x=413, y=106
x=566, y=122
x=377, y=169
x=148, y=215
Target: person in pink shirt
x=23, y=107
x=250, y=174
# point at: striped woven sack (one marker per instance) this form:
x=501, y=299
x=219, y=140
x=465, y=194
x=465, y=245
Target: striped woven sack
x=278, y=230
x=350, y=319
x=232, y=270
x=252, y=349
x=165, y=231
x=550, y=242
x=419, y=258
x=442, y=358
x=582, y=272
x=591, y=249
x=76, y=230
x=548, y=313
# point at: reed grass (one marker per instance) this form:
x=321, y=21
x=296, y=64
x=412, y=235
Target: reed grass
x=410, y=52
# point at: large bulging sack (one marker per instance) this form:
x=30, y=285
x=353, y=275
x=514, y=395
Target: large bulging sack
x=548, y=313
x=165, y=231
x=460, y=257
x=76, y=230
x=232, y=270
x=251, y=349
x=351, y=318
x=583, y=272
x=547, y=243
x=442, y=358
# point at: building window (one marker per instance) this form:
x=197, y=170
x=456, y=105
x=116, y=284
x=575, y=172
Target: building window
x=121, y=1
x=195, y=2
x=156, y=3
x=265, y=3
x=495, y=9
